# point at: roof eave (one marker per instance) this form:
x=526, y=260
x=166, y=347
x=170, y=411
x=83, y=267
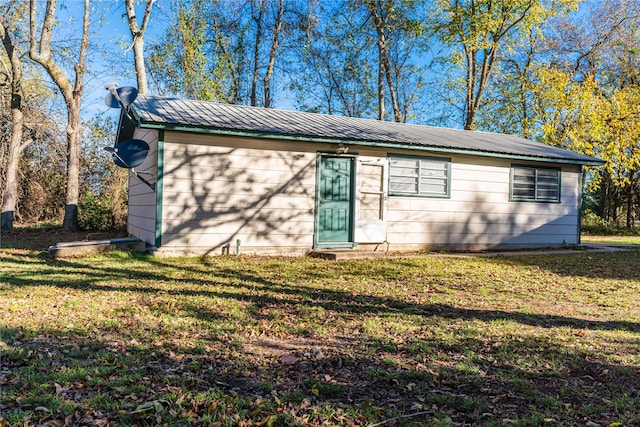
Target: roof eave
x=306, y=138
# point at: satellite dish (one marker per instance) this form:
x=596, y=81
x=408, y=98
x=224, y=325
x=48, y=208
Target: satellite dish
x=122, y=95
x=129, y=153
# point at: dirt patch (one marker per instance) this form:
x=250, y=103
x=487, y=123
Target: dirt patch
x=305, y=347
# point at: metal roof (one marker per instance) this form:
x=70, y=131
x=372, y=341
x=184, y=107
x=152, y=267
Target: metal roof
x=202, y=116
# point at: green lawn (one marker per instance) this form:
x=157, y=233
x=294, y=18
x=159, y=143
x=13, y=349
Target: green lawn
x=630, y=240
x=130, y=339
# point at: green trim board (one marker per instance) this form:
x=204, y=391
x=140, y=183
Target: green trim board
x=159, y=189
x=305, y=138
x=580, y=195
x=535, y=199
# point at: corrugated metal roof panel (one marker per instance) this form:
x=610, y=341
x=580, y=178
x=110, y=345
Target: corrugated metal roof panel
x=152, y=110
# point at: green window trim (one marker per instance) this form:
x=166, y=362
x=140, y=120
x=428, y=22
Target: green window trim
x=419, y=176
x=535, y=184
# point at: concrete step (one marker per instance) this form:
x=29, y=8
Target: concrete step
x=87, y=247
x=346, y=254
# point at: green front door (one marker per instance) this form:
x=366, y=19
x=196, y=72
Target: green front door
x=335, y=201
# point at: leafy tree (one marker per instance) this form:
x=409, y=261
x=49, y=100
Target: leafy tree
x=574, y=84
x=180, y=64
x=477, y=30
x=600, y=48
x=397, y=29
x=40, y=52
x=103, y=185
x=225, y=51
x=355, y=53
x=334, y=74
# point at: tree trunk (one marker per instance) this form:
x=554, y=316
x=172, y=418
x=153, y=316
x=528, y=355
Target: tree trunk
x=470, y=81
x=397, y=114
x=74, y=131
x=272, y=55
x=380, y=88
x=384, y=66
x=10, y=191
x=137, y=36
x=630, y=207
x=616, y=205
x=630, y=202
x=256, y=53
x=603, y=196
x=72, y=93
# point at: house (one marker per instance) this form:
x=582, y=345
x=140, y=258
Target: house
x=230, y=178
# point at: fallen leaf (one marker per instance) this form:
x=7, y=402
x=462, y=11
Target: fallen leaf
x=288, y=359
x=59, y=389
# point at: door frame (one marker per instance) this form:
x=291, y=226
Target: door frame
x=360, y=225
x=316, y=220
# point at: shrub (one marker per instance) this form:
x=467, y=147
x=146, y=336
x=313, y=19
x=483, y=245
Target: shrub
x=100, y=214
x=593, y=224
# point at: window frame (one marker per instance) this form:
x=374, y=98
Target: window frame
x=447, y=160
x=535, y=199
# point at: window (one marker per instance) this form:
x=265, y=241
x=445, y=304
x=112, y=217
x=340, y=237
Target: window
x=419, y=176
x=535, y=184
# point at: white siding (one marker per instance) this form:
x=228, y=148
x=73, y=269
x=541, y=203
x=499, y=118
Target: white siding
x=220, y=190
x=142, y=199
x=479, y=215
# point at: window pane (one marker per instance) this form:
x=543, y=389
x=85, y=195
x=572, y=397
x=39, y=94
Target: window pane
x=524, y=183
x=547, y=194
x=523, y=192
x=406, y=165
x=433, y=186
x=535, y=184
x=371, y=178
x=371, y=206
x=403, y=176
x=427, y=177
x=403, y=187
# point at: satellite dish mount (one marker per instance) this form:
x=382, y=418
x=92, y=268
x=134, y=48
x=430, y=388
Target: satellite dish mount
x=129, y=153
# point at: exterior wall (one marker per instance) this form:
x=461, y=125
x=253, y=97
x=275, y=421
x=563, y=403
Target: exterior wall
x=221, y=191
x=479, y=215
x=142, y=199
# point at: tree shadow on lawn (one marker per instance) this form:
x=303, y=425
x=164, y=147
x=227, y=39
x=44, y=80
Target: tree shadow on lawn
x=364, y=378
x=112, y=379
x=234, y=284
